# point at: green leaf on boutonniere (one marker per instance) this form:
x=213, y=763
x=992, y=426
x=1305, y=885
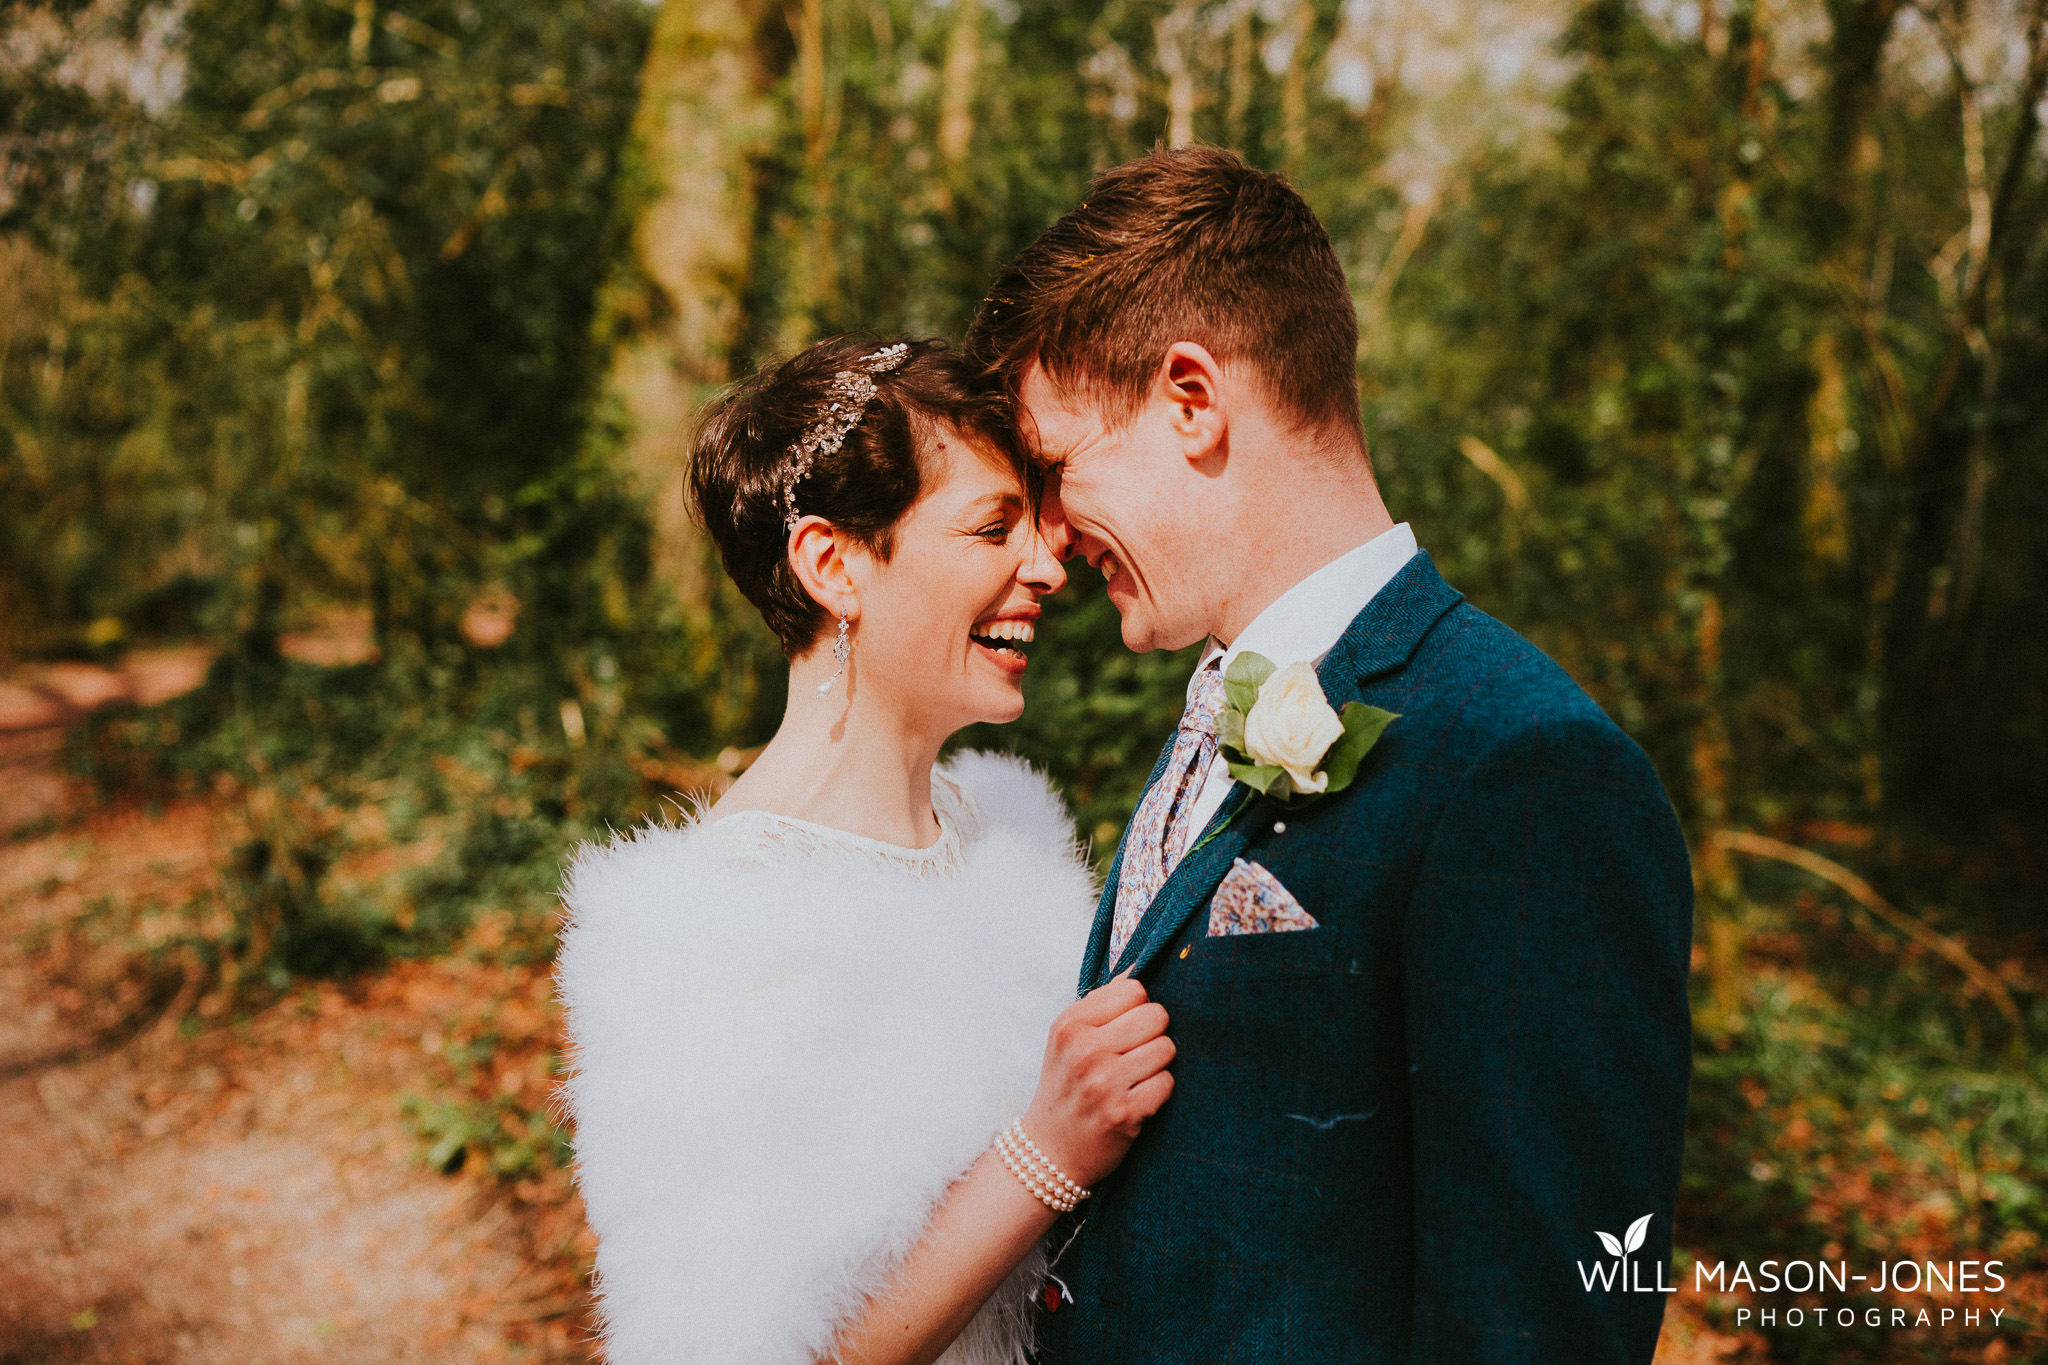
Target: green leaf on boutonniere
x=1363, y=726
x=1241, y=683
x=1265, y=780
x=1230, y=731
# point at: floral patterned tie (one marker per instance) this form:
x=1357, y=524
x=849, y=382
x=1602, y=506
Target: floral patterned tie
x=1159, y=829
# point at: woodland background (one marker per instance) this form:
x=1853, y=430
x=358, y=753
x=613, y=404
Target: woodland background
x=349, y=350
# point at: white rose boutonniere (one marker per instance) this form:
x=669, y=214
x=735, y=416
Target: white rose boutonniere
x=1280, y=736
x=1291, y=726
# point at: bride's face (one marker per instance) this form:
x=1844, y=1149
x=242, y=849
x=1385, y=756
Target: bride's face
x=946, y=621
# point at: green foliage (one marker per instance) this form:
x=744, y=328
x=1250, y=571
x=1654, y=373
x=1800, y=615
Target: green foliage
x=316, y=331
x=1859, y=1111
x=451, y=755
x=1712, y=463
x=513, y=1142
x=324, y=328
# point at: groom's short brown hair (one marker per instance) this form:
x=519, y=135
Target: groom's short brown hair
x=1193, y=245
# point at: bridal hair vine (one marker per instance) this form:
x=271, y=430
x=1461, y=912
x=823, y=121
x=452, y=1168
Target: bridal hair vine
x=850, y=393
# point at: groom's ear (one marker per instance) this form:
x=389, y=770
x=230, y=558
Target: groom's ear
x=1190, y=383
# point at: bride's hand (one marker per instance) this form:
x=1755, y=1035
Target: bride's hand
x=1104, y=1075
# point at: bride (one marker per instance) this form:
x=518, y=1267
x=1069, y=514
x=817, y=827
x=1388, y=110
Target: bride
x=804, y=1025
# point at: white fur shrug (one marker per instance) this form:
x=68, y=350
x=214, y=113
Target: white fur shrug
x=785, y=1046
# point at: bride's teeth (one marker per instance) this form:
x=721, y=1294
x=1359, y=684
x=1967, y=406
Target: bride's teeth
x=1006, y=630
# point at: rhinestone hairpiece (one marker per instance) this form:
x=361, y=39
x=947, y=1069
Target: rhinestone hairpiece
x=850, y=393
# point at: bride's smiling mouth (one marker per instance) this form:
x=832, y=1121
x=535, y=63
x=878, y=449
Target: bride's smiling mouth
x=1003, y=641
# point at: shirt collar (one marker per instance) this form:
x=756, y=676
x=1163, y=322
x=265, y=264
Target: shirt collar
x=1310, y=617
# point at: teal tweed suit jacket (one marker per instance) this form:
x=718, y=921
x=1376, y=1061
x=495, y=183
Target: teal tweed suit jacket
x=1393, y=1136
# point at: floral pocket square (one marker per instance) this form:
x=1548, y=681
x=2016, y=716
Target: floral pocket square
x=1251, y=900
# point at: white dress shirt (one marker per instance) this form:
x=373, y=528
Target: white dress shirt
x=1303, y=623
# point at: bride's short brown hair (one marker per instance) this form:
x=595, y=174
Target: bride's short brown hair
x=741, y=457
x=1193, y=245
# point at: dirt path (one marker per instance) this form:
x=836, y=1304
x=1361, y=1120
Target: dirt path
x=38, y=702
x=251, y=1192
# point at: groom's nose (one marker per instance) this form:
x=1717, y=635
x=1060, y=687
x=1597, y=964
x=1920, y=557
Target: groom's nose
x=1052, y=521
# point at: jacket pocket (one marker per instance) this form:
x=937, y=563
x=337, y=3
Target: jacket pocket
x=1297, y=952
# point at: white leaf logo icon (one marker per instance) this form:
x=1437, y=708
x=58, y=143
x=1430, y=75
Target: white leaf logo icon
x=1607, y=1240
x=1637, y=1231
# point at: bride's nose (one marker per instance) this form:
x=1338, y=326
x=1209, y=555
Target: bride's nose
x=1041, y=570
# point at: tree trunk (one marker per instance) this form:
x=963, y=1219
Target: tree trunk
x=674, y=310
x=1950, y=465
x=1174, y=37
x=1301, y=28
x=1854, y=55
x=956, y=101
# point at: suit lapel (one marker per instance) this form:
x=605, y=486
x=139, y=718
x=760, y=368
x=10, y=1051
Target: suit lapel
x=1378, y=641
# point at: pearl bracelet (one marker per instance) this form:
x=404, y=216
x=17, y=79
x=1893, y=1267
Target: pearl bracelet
x=1029, y=1181
x=1035, y=1172
x=1066, y=1186
x=1029, y=1176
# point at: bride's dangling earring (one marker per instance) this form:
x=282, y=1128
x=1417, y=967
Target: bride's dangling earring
x=841, y=649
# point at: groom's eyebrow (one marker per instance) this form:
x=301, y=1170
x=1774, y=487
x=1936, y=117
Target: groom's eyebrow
x=1045, y=455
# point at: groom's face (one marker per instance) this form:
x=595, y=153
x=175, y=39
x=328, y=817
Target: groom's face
x=1122, y=498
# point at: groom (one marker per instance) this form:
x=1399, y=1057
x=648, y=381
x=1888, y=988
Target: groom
x=1432, y=1027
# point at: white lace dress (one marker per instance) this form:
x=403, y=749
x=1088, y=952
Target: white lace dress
x=787, y=1041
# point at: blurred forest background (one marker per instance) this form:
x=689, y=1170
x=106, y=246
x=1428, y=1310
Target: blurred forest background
x=350, y=348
